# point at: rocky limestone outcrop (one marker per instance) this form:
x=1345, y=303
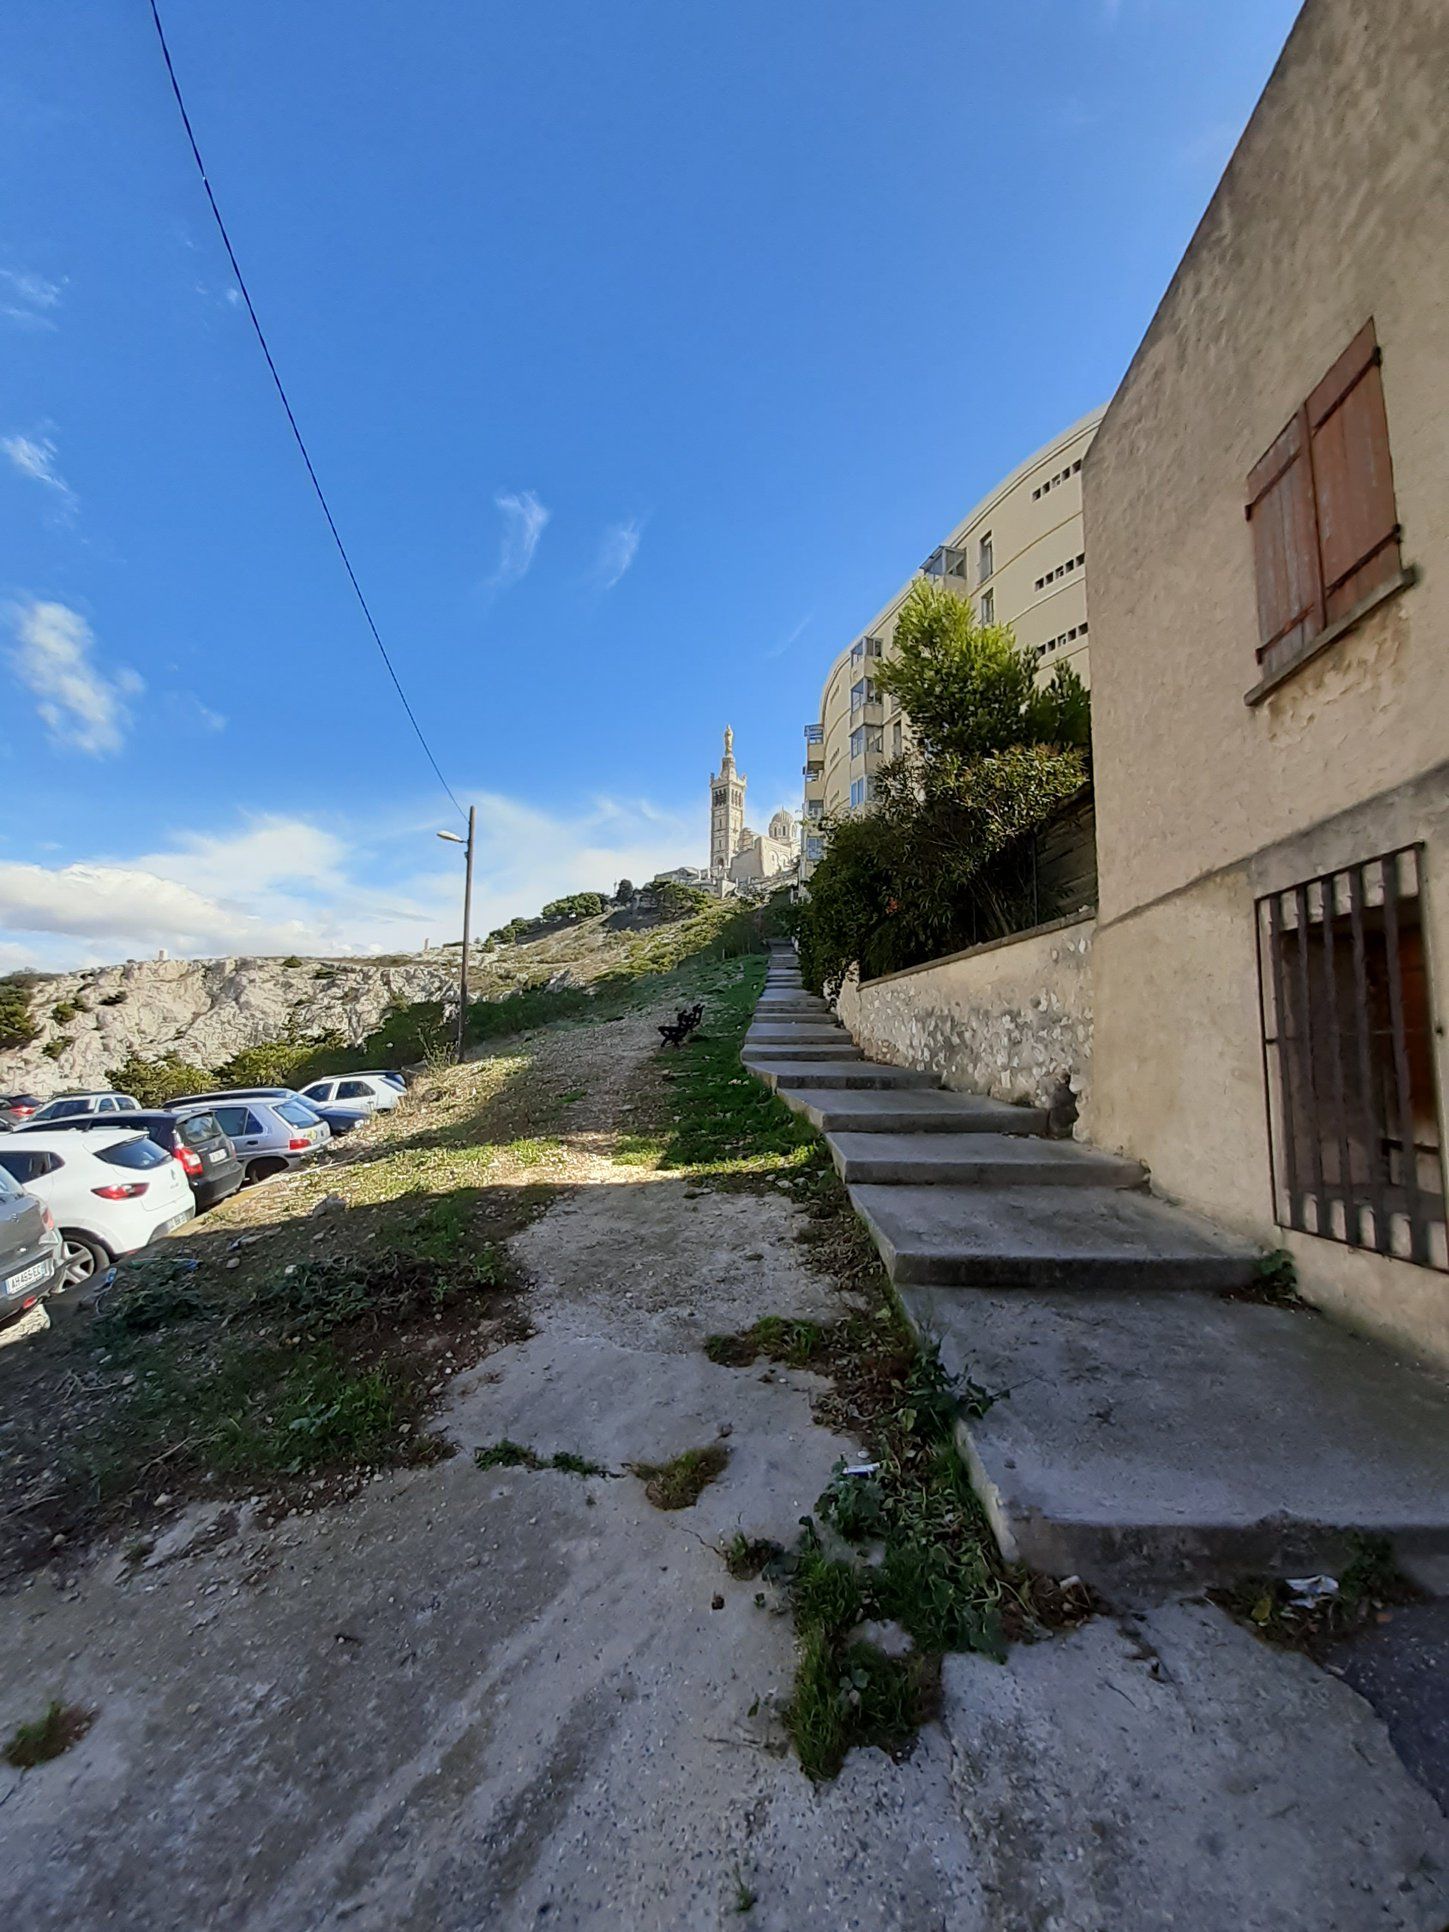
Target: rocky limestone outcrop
x=207, y=1010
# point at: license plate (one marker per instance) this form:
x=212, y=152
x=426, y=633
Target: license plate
x=217, y=1154
x=27, y=1278
x=175, y=1221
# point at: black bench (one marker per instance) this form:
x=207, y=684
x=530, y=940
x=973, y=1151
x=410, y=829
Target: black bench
x=678, y=1030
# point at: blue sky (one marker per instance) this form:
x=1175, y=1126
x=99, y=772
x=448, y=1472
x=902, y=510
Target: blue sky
x=643, y=350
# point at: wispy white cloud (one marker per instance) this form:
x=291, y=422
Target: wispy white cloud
x=187, y=712
x=28, y=299
x=288, y=884
x=792, y=636
x=524, y=518
x=617, y=550
x=83, y=707
x=35, y=457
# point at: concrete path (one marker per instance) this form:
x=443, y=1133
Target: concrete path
x=514, y=1700
x=1146, y=1433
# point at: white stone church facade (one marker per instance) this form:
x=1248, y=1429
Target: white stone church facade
x=740, y=859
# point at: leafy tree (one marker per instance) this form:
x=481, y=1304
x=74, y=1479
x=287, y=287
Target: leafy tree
x=624, y=892
x=154, y=1082
x=944, y=858
x=577, y=905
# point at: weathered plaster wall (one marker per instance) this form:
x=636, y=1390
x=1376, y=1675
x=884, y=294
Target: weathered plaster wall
x=1331, y=211
x=1013, y=1020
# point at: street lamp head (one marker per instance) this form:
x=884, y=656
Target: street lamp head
x=452, y=838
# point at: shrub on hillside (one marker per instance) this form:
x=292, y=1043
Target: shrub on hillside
x=154, y=1082
x=577, y=905
x=289, y=1062
x=17, y=1028
x=64, y=1011
x=676, y=901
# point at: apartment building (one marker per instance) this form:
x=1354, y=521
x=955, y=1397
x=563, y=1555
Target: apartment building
x=1021, y=557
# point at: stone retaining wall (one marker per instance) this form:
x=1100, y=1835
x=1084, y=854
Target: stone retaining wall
x=1012, y=1019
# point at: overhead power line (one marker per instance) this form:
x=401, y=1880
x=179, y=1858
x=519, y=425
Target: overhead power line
x=291, y=418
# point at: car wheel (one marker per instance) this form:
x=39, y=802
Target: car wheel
x=81, y=1260
x=264, y=1170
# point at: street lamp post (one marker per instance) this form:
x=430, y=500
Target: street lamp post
x=453, y=839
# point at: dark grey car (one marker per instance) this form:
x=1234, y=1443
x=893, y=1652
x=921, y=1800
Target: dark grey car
x=30, y=1250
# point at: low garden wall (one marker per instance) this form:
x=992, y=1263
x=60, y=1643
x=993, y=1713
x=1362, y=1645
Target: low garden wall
x=1012, y=1018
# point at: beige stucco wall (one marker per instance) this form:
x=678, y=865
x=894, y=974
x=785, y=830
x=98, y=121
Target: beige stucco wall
x=1013, y=1019
x=1332, y=210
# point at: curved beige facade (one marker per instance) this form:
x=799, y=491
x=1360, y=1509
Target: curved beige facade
x=1020, y=556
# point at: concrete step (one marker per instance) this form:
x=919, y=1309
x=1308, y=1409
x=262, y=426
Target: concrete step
x=911, y=1112
x=839, y=1072
x=807, y=1032
x=1152, y=1443
x=766, y=1052
x=977, y=1160
x=1047, y=1238
x=777, y=996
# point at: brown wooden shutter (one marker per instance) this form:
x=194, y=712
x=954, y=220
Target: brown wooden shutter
x=1285, y=545
x=1358, y=528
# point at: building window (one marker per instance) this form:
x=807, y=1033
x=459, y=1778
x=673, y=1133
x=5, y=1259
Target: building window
x=814, y=847
x=1321, y=504
x=857, y=742
x=875, y=742
x=988, y=606
x=1349, y=1043
x=857, y=793
x=814, y=734
x=984, y=563
x=814, y=809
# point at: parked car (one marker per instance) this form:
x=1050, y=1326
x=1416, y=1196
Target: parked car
x=30, y=1249
x=340, y=1119
x=190, y=1136
x=16, y=1109
x=269, y=1134
x=372, y=1091
x=111, y=1191
x=68, y=1105
x=402, y=1081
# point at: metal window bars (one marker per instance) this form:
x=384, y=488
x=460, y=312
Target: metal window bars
x=1349, y=1048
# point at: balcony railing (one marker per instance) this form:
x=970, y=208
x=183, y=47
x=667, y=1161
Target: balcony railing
x=815, y=734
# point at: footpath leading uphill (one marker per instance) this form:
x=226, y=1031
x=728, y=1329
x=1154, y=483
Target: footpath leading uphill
x=1152, y=1425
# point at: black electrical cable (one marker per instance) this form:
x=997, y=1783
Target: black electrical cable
x=301, y=445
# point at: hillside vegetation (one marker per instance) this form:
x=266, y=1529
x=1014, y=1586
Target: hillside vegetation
x=156, y=1028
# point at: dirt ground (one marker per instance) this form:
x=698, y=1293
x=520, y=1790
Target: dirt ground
x=465, y=1697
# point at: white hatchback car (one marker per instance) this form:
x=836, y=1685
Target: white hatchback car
x=110, y=1189
x=368, y=1090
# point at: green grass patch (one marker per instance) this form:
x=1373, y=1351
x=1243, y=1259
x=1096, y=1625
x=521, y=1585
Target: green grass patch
x=517, y=1455
x=679, y=1484
x=795, y=1344
x=854, y=1695
x=46, y=1737
x=717, y=1119
x=534, y=1149
x=746, y=1556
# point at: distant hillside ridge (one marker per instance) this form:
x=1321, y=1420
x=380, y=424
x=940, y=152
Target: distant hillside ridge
x=60, y=1031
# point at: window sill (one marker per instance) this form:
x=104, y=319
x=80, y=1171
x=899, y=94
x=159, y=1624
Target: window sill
x=1329, y=635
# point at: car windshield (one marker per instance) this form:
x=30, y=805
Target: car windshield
x=296, y=1113
x=63, y=1109
x=133, y=1153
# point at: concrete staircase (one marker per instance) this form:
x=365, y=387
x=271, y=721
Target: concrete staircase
x=1147, y=1432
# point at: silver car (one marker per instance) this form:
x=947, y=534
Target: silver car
x=69, y=1106
x=269, y=1135
x=30, y=1250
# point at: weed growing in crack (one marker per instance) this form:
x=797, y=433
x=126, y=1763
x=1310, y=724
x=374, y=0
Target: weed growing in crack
x=745, y=1899
x=37, y=1743
x=516, y=1455
x=848, y=1695
x=680, y=1483
x=746, y=1556
x=1313, y=1620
